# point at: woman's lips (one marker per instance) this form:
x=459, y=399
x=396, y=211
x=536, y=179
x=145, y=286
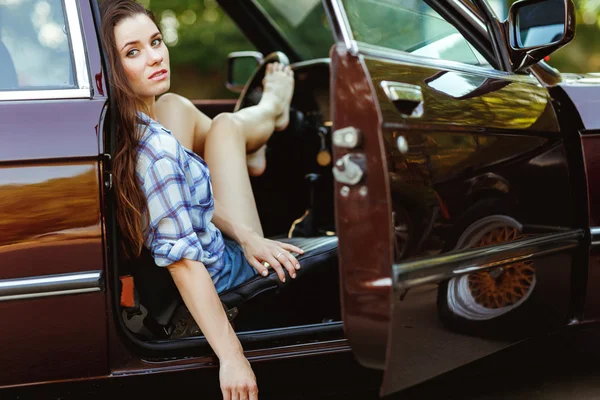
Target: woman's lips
x=159, y=76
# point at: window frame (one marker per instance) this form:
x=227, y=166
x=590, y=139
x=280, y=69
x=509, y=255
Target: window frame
x=475, y=30
x=79, y=63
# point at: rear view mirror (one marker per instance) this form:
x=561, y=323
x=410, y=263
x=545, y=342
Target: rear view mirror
x=240, y=67
x=537, y=28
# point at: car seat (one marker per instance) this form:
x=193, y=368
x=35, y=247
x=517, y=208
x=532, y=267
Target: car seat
x=158, y=294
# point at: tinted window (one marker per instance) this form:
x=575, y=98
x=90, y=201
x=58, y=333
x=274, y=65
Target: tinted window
x=34, y=46
x=411, y=26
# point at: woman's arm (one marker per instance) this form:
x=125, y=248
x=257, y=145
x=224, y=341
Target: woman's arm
x=257, y=249
x=200, y=297
x=236, y=231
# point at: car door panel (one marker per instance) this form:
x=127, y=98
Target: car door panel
x=457, y=98
x=52, y=299
x=590, y=143
x=51, y=246
x=578, y=98
x=78, y=138
x=362, y=212
x=52, y=251
x=49, y=209
x=481, y=258
x=43, y=345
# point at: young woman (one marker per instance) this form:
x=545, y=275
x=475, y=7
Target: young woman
x=168, y=200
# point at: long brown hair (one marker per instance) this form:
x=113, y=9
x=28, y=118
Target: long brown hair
x=132, y=205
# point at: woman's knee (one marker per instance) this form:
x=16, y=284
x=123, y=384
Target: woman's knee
x=226, y=124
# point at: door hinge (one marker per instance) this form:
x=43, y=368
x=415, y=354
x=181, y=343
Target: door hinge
x=108, y=181
x=108, y=176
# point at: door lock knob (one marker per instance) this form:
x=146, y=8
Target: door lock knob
x=350, y=169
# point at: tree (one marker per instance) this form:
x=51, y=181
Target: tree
x=199, y=36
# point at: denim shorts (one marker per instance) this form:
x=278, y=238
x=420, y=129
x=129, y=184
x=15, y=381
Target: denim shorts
x=236, y=269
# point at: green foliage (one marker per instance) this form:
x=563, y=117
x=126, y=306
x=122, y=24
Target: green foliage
x=205, y=36
x=583, y=53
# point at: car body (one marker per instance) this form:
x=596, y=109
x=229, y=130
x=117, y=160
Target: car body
x=465, y=202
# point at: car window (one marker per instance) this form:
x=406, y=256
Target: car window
x=303, y=23
x=34, y=46
x=410, y=26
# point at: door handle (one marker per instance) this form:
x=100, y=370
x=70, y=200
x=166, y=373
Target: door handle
x=407, y=98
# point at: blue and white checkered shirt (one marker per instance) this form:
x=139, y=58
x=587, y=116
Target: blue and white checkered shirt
x=178, y=188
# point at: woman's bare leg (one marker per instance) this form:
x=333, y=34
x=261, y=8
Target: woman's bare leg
x=225, y=154
x=272, y=113
x=191, y=127
x=233, y=144
x=232, y=136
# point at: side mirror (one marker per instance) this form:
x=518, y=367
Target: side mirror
x=537, y=28
x=240, y=67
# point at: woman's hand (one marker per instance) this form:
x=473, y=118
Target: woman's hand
x=259, y=250
x=237, y=379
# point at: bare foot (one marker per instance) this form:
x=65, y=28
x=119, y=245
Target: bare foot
x=257, y=162
x=278, y=90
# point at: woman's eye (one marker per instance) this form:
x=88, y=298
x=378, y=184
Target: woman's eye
x=132, y=53
x=156, y=42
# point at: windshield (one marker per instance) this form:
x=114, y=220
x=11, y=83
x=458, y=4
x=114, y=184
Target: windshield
x=302, y=23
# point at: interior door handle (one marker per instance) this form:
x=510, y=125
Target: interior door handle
x=407, y=98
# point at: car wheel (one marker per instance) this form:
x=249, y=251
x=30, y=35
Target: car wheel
x=481, y=300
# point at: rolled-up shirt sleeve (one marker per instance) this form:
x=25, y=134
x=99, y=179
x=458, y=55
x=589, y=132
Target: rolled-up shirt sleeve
x=170, y=231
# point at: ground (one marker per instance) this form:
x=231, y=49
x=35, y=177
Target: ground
x=565, y=366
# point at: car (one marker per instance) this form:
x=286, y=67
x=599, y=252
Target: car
x=438, y=173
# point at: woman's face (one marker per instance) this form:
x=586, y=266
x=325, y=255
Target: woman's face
x=144, y=56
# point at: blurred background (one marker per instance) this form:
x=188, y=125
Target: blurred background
x=200, y=36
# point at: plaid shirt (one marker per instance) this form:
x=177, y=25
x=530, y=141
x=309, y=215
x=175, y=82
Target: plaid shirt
x=177, y=185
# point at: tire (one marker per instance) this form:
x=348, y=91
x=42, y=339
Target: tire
x=486, y=303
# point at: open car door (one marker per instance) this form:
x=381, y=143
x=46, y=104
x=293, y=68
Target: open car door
x=458, y=227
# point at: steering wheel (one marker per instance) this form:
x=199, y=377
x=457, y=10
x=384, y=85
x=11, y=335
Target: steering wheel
x=252, y=92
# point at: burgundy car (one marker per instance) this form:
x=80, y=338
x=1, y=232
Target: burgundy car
x=437, y=172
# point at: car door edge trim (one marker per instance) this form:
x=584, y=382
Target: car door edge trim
x=590, y=132
x=450, y=265
x=77, y=44
x=48, y=94
x=341, y=29
x=51, y=285
x=595, y=235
